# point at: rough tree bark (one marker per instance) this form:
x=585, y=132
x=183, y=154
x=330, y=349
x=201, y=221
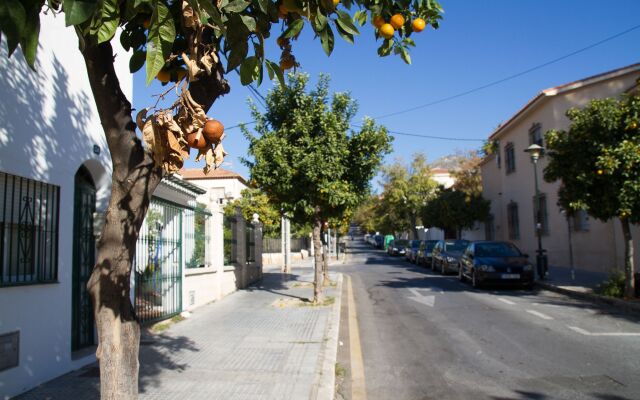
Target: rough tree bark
x=325, y=265
x=629, y=287
x=317, y=244
x=134, y=179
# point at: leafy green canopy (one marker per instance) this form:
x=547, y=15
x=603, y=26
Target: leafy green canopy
x=455, y=210
x=305, y=159
x=155, y=29
x=598, y=159
x=256, y=201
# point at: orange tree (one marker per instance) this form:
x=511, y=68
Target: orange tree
x=598, y=161
x=193, y=44
x=307, y=161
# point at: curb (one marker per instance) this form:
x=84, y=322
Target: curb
x=622, y=304
x=325, y=384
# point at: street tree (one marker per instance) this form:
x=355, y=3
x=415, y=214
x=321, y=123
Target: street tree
x=468, y=175
x=306, y=159
x=454, y=210
x=190, y=45
x=406, y=189
x=365, y=215
x=598, y=161
x=252, y=201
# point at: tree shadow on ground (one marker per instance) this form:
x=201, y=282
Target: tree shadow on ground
x=277, y=283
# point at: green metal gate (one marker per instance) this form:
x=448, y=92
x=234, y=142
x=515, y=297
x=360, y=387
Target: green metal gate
x=83, y=260
x=158, y=263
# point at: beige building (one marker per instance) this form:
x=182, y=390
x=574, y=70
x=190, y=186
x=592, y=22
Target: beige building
x=222, y=185
x=508, y=180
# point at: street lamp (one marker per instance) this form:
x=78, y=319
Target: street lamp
x=535, y=152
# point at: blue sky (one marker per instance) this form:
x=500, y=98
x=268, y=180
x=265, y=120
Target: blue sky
x=478, y=42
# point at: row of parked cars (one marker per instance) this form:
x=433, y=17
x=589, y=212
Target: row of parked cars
x=479, y=262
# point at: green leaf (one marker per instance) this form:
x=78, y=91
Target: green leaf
x=248, y=70
x=404, y=54
x=138, y=3
x=409, y=42
x=327, y=40
x=12, y=22
x=237, y=54
x=236, y=6
x=162, y=33
x=110, y=17
x=385, y=48
x=249, y=22
x=319, y=22
x=344, y=35
x=344, y=20
x=294, y=28
x=30, y=35
x=137, y=60
x=264, y=6
x=78, y=11
x=360, y=17
x=273, y=68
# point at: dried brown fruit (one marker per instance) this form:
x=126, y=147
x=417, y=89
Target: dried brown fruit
x=213, y=130
x=197, y=140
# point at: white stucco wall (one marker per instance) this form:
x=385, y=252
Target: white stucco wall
x=48, y=127
x=598, y=248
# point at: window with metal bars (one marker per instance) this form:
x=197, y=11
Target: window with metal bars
x=29, y=217
x=513, y=221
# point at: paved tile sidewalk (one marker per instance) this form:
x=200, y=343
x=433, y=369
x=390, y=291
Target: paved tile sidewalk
x=258, y=343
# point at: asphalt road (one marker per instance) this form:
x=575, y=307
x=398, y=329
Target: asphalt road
x=420, y=335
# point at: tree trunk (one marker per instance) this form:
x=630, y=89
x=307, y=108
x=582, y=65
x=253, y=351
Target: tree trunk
x=414, y=222
x=317, y=245
x=325, y=265
x=134, y=179
x=629, y=287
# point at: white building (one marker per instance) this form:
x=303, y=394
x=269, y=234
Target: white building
x=222, y=185
x=508, y=179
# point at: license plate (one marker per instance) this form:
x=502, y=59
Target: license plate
x=510, y=276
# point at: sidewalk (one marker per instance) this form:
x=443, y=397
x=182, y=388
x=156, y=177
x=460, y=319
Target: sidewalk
x=583, y=286
x=264, y=342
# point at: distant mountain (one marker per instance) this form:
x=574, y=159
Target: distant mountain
x=451, y=162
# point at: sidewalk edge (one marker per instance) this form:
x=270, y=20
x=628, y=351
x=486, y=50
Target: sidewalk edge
x=628, y=306
x=325, y=387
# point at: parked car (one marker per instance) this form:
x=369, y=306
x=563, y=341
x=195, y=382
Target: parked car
x=495, y=262
x=446, y=254
x=423, y=257
x=378, y=241
x=412, y=250
x=397, y=247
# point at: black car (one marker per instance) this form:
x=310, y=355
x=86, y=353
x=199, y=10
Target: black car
x=412, y=250
x=423, y=257
x=446, y=255
x=495, y=262
x=378, y=241
x=397, y=247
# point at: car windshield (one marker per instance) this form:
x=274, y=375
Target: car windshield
x=401, y=242
x=456, y=245
x=497, y=250
x=415, y=243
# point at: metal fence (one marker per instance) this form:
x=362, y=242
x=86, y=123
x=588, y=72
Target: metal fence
x=158, y=263
x=274, y=245
x=29, y=212
x=230, y=240
x=196, y=239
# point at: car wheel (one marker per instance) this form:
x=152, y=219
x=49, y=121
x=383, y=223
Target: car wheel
x=461, y=276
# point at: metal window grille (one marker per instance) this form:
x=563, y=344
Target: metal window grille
x=230, y=240
x=490, y=228
x=197, y=241
x=513, y=221
x=158, y=263
x=535, y=135
x=509, y=158
x=29, y=217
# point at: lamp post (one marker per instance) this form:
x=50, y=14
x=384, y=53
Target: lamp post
x=535, y=152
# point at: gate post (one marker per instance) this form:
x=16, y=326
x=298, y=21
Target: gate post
x=257, y=242
x=241, y=248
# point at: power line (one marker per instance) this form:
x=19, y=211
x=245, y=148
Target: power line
x=455, y=96
x=428, y=136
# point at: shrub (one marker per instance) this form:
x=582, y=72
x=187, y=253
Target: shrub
x=612, y=287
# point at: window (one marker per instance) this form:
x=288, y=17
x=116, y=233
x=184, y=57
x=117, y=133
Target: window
x=509, y=158
x=28, y=231
x=513, y=221
x=490, y=228
x=542, y=218
x=581, y=221
x=535, y=135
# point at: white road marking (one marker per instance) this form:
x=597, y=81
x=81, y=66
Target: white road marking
x=420, y=298
x=587, y=333
x=509, y=302
x=539, y=314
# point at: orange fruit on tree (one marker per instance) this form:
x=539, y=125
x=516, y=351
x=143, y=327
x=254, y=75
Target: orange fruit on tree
x=397, y=21
x=418, y=25
x=378, y=21
x=336, y=2
x=163, y=76
x=197, y=140
x=213, y=130
x=386, y=31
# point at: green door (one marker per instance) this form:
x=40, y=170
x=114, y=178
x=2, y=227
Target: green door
x=83, y=259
